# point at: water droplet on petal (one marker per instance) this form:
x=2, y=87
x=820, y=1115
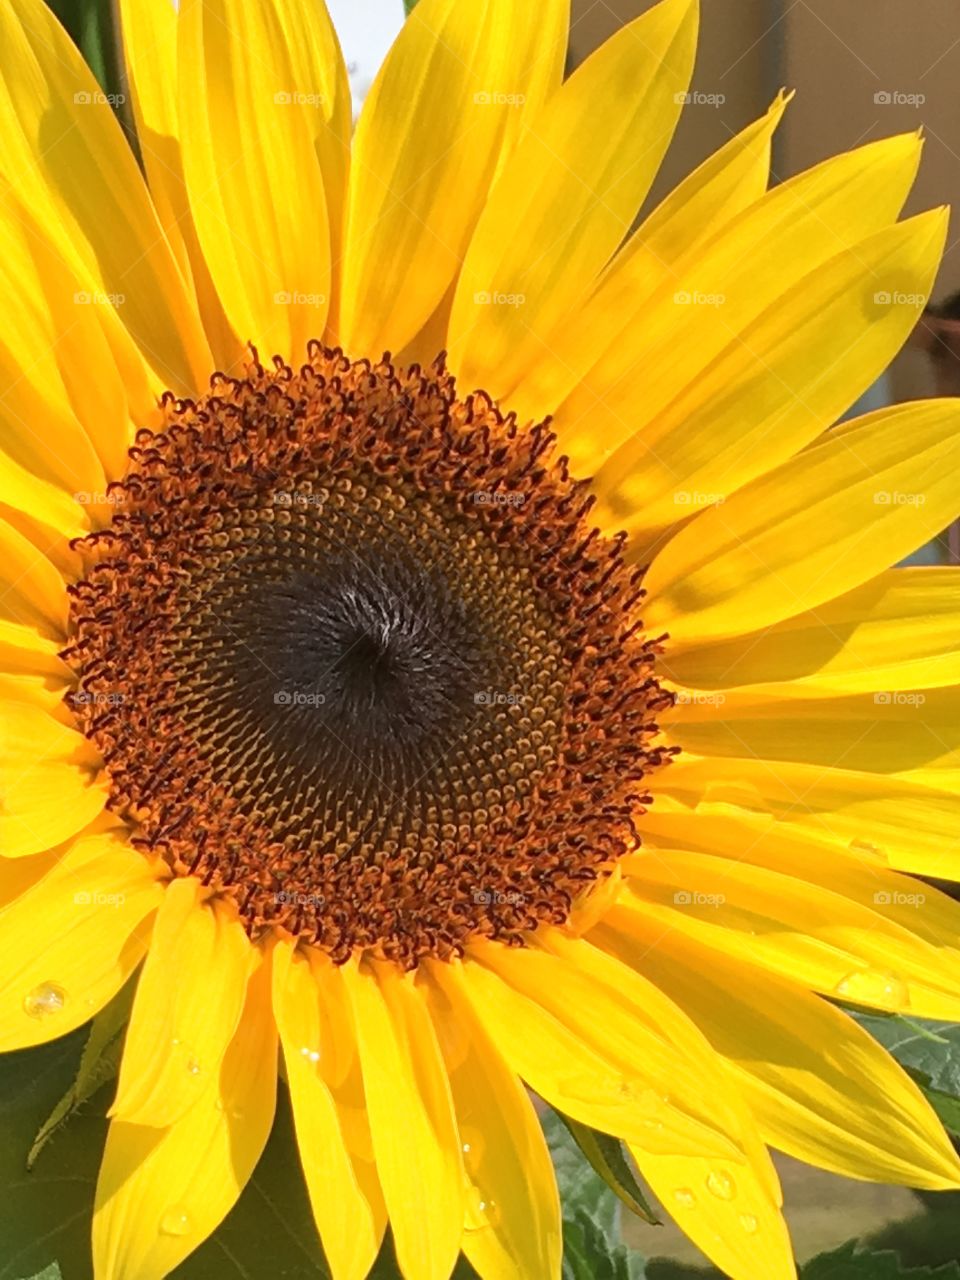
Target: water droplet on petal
x=472, y=1145
x=721, y=1185
x=481, y=1211
x=193, y=1067
x=46, y=999
x=871, y=987
x=312, y=1055
x=175, y=1222
x=685, y=1197
x=749, y=1223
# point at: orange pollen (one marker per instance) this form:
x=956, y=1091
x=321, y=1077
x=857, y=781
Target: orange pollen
x=353, y=655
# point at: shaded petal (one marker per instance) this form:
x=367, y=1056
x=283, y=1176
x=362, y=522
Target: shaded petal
x=512, y=1226
x=778, y=384
x=751, y=263
x=254, y=184
x=821, y=1088
x=326, y=1090
x=621, y=1060
x=411, y=1119
x=821, y=524
x=820, y=937
x=189, y=1000
x=460, y=83
x=728, y=182
x=568, y=197
x=72, y=939
x=55, y=123
x=162, y=1192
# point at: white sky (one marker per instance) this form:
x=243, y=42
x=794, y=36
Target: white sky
x=366, y=29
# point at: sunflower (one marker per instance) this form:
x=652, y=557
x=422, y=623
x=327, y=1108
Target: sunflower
x=341, y=704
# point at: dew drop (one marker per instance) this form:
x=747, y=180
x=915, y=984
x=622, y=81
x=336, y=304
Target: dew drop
x=193, y=1067
x=46, y=999
x=685, y=1197
x=312, y=1055
x=481, y=1211
x=749, y=1223
x=721, y=1185
x=175, y=1222
x=472, y=1145
x=871, y=987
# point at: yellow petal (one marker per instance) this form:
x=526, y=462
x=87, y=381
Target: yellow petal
x=32, y=592
x=817, y=526
x=48, y=503
x=187, y=1007
x=898, y=631
x=778, y=383
x=411, y=1119
x=512, y=1226
x=255, y=187
x=568, y=197
x=161, y=1192
x=886, y=732
x=815, y=935
x=747, y=804
x=457, y=88
x=728, y=182
x=55, y=122
x=326, y=1090
x=72, y=939
x=23, y=649
x=820, y=1087
x=751, y=263
x=149, y=29
x=50, y=784
x=597, y=1052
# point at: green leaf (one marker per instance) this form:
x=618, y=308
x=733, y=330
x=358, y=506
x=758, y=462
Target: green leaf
x=408, y=5
x=588, y=1254
x=99, y=1064
x=608, y=1158
x=582, y=1190
x=929, y=1050
x=48, y=1273
x=849, y=1263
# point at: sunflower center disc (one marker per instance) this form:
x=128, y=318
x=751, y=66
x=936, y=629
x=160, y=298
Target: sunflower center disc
x=352, y=654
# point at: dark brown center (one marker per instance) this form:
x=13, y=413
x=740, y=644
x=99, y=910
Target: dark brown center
x=354, y=655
